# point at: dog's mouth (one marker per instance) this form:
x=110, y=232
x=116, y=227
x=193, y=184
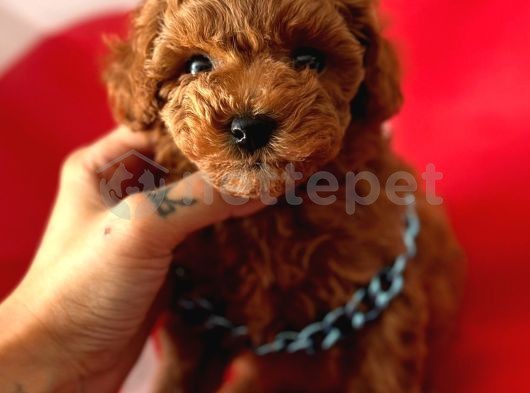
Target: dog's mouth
x=254, y=179
x=256, y=166
x=261, y=160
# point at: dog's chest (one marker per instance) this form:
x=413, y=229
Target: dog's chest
x=287, y=265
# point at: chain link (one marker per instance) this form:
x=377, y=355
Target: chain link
x=365, y=306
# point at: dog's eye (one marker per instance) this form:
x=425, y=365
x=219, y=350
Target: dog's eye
x=198, y=64
x=309, y=58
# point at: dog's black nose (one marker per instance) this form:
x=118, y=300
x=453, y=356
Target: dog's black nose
x=252, y=133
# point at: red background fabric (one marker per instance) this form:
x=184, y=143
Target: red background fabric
x=467, y=111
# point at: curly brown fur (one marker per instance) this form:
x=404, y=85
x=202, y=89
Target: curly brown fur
x=286, y=266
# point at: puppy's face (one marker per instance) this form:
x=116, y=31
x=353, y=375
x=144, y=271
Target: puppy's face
x=249, y=87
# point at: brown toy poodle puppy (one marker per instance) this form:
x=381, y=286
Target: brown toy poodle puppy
x=242, y=90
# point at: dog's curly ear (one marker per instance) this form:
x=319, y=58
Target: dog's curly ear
x=379, y=96
x=132, y=91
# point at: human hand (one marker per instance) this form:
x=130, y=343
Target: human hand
x=82, y=314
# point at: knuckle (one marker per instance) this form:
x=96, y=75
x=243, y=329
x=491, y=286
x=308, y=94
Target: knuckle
x=134, y=202
x=129, y=209
x=136, y=234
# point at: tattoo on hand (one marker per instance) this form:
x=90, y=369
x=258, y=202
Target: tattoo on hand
x=165, y=205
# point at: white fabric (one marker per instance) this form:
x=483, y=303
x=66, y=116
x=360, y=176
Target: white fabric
x=24, y=22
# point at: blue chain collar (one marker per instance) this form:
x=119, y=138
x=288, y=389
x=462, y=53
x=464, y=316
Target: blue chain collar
x=365, y=306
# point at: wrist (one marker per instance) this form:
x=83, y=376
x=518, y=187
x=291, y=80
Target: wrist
x=30, y=360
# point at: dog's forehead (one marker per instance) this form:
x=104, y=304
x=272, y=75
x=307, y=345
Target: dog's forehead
x=223, y=22
x=253, y=10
